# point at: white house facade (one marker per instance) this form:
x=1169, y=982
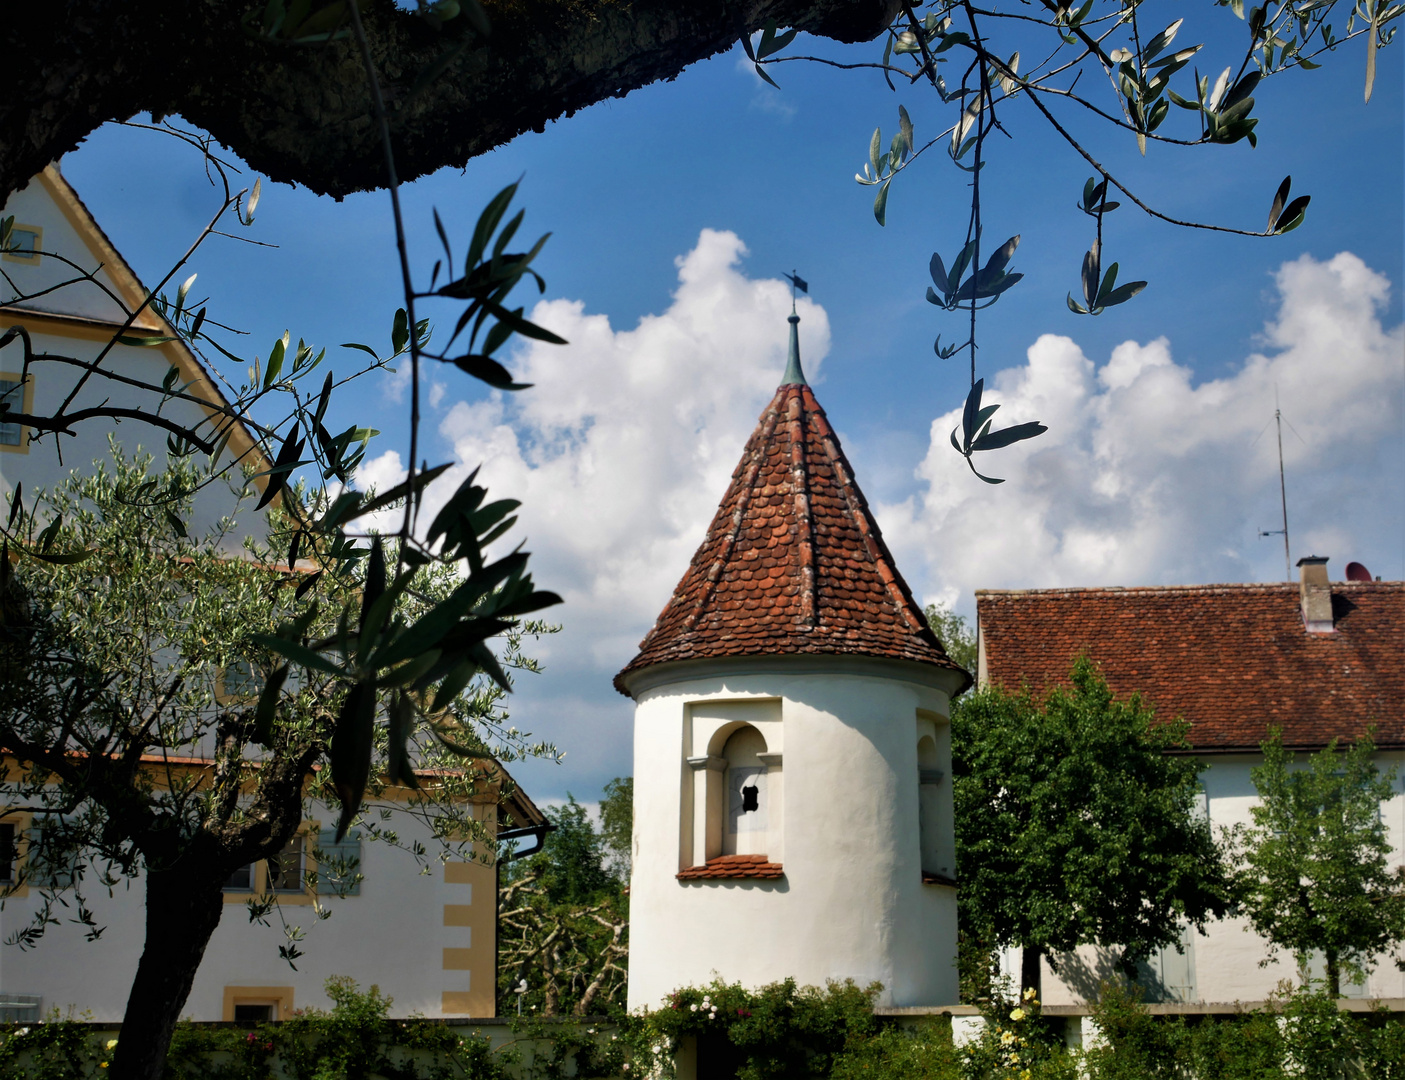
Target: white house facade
x=425, y=933
x=73, y=318
x=424, y=930
x=1316, y=659
x=792, y=800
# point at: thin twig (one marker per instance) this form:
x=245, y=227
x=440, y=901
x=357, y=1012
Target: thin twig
x=378, y=104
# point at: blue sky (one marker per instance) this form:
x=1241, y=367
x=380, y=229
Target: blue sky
x=1154, y=472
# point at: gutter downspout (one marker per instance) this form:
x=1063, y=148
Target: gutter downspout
x=539, y=831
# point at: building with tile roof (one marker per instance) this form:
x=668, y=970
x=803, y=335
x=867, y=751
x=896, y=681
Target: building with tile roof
x=792, y=813
x=68, y=287
x=1317, y=660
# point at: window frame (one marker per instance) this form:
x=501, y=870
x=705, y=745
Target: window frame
x=18, y=885
x=26, y=406
x=31, y=256
x=279, y=997
x=259, y=889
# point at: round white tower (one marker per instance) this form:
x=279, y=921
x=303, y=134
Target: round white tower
x=792, y=795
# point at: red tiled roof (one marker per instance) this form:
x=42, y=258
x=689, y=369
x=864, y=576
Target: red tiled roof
x=732, y=866
x=793, y=562
x=1232, y=659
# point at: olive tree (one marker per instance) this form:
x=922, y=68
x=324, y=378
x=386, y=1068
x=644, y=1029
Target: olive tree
x=1315, y=863
x=118, y=627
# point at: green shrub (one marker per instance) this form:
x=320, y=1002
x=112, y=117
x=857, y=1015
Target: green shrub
x=895, y=1054
x=355, y=1040
x=1302, y=1034
x=57, y=1049
x=780, y=1032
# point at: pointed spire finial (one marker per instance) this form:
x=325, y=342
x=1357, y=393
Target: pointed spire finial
x=794, y=376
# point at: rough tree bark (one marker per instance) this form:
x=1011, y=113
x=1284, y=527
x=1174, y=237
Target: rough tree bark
x=185, y=900
x=182, y=911
x=300, y=113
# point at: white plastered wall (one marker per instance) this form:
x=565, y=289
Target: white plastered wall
x=397, y=934
x=87, y=317
x=845, y=788
x=1228, y=957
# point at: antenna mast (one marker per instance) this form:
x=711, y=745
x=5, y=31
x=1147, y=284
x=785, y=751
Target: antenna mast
x=1282, y=492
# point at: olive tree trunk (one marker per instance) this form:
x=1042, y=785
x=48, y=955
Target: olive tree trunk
x=183, y=907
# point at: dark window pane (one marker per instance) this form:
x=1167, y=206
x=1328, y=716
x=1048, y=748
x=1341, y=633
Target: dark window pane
x=7, y=853
x=252, y=1014
x=242, y=880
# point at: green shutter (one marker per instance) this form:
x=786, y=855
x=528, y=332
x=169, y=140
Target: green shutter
x=48, y=869
x=338, y=865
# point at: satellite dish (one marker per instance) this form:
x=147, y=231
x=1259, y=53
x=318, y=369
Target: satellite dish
x=1356, y=572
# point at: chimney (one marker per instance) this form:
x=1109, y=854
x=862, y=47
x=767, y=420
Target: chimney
x=1316, y=594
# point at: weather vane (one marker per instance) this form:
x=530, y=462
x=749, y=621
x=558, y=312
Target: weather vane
x=796, y=282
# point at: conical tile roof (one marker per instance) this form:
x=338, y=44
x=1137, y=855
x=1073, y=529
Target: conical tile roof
x=793, y=562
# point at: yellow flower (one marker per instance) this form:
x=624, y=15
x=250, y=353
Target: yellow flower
x=1007, y=1038
x=1017, y=1014
x=111, y=1043
x=1029, y=994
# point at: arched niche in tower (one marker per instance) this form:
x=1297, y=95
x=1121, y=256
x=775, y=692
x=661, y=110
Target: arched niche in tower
x=934, y=799
x=733, y=804
x=746, y=802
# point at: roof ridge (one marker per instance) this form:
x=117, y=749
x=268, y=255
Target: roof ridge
x=800, y=477
x=1228, y=586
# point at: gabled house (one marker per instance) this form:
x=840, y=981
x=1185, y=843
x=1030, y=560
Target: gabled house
x=427, y=937
x=1317, y=659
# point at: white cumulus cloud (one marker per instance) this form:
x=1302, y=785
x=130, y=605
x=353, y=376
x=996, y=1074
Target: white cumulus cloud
x=1149, y=476
x=625, y=444
x=620, y=453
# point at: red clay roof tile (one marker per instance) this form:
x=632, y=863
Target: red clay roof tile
x=732, y=866
x=1232, y=659
x=794, y=546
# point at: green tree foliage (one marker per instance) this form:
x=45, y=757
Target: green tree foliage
x=617, y=824
x=1315, y=868
x=1075, y=823
x=957, y=635
x=119, y=627
x=563, y=921
x=572, y=859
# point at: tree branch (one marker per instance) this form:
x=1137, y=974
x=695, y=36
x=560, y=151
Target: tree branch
x=301, y=113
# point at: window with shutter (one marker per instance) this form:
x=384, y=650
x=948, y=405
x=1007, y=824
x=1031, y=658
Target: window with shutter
x=338, y=864
x=11, y=394
x=50, y=863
